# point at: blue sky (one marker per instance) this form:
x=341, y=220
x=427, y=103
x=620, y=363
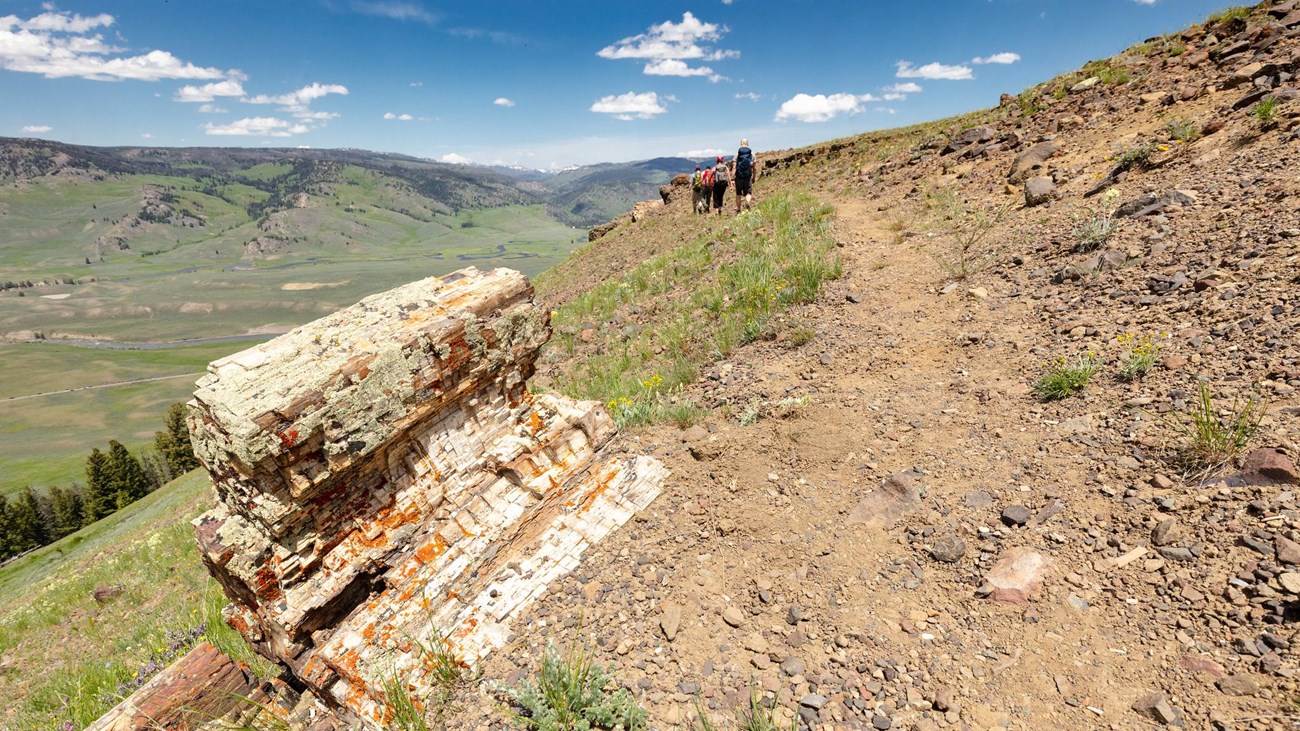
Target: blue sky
x=534, y=83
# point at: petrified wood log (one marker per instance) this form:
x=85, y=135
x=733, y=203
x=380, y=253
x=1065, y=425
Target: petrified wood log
x=386, y=480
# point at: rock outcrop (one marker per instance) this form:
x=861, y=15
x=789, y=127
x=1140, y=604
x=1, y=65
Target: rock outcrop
x=386, y=482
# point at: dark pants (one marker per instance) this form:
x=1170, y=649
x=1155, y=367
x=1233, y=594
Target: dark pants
x=744, y=184
x=719, y=191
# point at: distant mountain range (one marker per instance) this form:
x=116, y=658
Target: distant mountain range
x=582, y=196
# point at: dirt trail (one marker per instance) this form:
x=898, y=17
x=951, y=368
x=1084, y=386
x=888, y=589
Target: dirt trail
x=793, y=575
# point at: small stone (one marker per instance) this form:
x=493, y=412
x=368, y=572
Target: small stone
x=1290, y=581
x=1237, y=685
x=813, y=700
x=732, y=616
x=1287, y=551
x=1016, y=515
x=1017, y=576
x=792, y=666
x=794, y=615
x=1039, y=190
x=1165, y=532
x=853, y=297
x=978, y=293
x=670, y=621
x=948, y=548
x=881, y=722
x=1177, y=553
x=1157, y=707
x=825, y=359
x=943, y=699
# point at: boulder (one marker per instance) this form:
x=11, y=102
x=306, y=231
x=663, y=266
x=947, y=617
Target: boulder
x=1038, y=191
x=967, y=137
x=1085, y=85
x=1032, y=159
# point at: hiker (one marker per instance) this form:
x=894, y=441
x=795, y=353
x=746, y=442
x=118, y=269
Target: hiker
x=720, y=180
x=697, y=191
x=744, y=175
x=706, y=190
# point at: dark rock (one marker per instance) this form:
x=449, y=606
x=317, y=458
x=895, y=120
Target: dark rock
x=1152, y=203
x=1016, y=515
x=968, y=137
x=948, y=549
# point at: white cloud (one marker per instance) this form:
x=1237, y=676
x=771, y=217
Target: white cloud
x=212, y=109
x=209, y=92
x=146, y=135
x=503, y=102
x=455, y=159
x=820, y=107
x=56, y=45
x=697, y=154
x=906, y=87
x=750, y=96
x=296, y=102
x=631, y=105
x=257, y=127
x=394, y=10
x=416, y=84
x=933, y=71
x=38, y=128
x=399, y=117
x=1145, y=2
x=666, y=47
x=1003, y=58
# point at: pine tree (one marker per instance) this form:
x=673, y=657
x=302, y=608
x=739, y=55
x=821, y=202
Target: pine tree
x=28, y=530
x=173, y=444
x=126, y=478
x=99, y=498
x=6, y=530
x=68, y=511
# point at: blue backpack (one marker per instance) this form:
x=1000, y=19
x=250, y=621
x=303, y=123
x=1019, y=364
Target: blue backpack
x=744, y=161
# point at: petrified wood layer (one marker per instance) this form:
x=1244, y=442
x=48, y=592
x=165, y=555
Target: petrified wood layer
x=386, y=481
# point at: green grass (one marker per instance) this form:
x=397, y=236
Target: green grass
x=1210, y=437
x=65, y=654
x=708, y=297
x=44, y=440
x=1265, y=110
x=1236, y=12
x=1064, y=378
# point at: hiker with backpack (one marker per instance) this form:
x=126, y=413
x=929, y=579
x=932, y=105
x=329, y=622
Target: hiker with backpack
x=697, y=191
x=744, y=175
x=720, y=180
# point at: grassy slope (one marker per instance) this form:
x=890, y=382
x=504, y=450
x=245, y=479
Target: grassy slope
x=56, y=642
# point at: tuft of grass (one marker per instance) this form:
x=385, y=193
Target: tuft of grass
x=1108, y=71
x=1064, y=378
x=757, y=715
x=405, y=713
x=1092, y=231
x=1209, y=439
x=1136, y=156
x=570, y=694
x=1236, y=12
x=1265, y=110
x=1140, y=354
x=802, y=335
x=1183, y=130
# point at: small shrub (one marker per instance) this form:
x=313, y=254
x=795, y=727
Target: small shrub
x=756, y=716
x=1265, y=110
x=570, y=695
x=753, y=410
x=967, y=231
x=1134, y=157
x=1210, y=441
x=1175, y=49
x=1108, y=72
x=1183, y=130
x=1064, y=378
x=1140, y=354
x=1093, y=230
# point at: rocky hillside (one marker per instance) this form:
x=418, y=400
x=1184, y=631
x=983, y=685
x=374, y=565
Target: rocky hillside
x=886, y=525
